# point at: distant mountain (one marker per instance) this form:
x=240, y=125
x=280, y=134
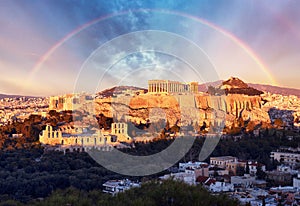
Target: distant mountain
x=276, y=89
x=260, y=87
x=2, y=96
x=118, y=90
x=204, y=87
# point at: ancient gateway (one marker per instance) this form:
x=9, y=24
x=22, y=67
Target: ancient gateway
x=168, y=86
x=79, y=139
x=69, y=102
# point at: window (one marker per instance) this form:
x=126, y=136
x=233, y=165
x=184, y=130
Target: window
x=113, y=138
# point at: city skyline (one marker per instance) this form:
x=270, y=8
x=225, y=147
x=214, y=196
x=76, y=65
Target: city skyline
x=45, y=45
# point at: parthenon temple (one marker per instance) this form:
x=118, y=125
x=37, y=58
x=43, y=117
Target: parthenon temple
x=168, y=86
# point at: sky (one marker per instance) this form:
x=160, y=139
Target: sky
x=50, y=47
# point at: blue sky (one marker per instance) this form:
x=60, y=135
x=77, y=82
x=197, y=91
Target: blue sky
x=221, y=30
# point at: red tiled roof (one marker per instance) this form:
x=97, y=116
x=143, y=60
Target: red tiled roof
x=210, y=181
x=201, y=179
x=205, y=180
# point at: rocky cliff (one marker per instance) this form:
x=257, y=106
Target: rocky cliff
x=185, y=108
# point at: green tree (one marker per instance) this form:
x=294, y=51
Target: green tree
x=278, y=122
x=247, y=170
x=260, y=174
x=240, y=171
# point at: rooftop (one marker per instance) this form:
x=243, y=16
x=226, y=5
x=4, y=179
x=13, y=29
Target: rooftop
x=223, y=157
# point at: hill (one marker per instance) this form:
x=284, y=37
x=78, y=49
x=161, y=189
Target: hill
x=231, y=86
x=261, y=87
x=204, y=87
x=276, y=89
x=2, y=96
x=119, y=90
x=236, y=86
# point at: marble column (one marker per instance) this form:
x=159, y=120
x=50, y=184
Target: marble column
x=168, y=87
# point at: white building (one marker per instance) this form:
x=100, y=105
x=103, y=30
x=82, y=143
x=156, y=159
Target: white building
x=286, y=157
x=243, y=181
x=190, y=164
x=188, y=178
x=222, y=161
x=253, y=167
x=221, y=187
x=296, y=182
x=115, y=186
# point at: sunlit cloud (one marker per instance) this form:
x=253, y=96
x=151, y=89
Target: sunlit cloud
x=28, y=31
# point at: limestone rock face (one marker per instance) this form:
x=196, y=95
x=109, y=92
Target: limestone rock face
x=140, y=108
x=183, y=108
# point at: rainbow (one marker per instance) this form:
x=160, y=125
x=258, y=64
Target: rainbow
x=227, y=34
